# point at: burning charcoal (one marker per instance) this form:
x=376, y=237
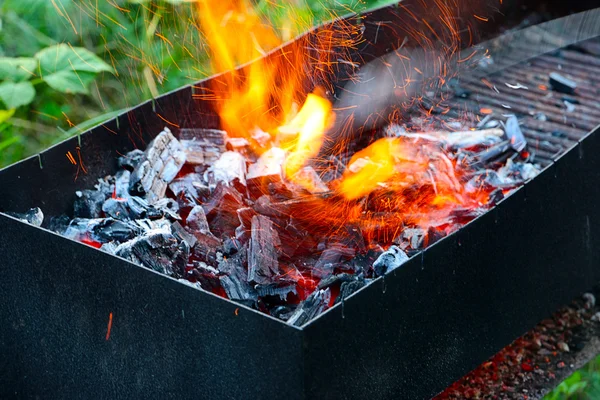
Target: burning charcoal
x=190, y=189
x=168, y=207
x=230, y=169
x=110, y=247
x=237, y=144
x=88, y=204
x=122, y=184
x=496, y=196
x=562, y=84
x=314, y=305
x=131, y=160
x=335, y=279
x=130, y=209
x=281, y=289
x=329, y=258
x=294, y=239
x=412, y=238
x=262, y=253
x=148, y=225
x=203, y=146
x=34, y=216
x=221, y=210
x=309, y=179
x=119, y=209
x=142, y=209
x=245, y=215
x=349, y=288
x=196, y=220
x=163, y=159
x=362, y=262
x=488, y=122
x=261, y=137
x=282, y=312
x=235, y=282
x=517, y=171
x=206, y=246
x=59, y=224
x=268, y=168
x=182, y=235
x=514, y=134
x=207, y=276
x=434, y=234
x=157, y=250
x=389, y=260
x=108, y=229
x=330, y=169
x=231, y=246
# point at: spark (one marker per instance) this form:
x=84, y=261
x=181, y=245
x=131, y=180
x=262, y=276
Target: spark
x=109, y=327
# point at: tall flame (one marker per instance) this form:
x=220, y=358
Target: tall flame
x=263, y=94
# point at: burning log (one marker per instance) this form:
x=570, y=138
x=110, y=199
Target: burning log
x=310, y=180
x=268, y=168
x=162, y=161
x=230, y=169
x=196, y=220
x=315, y=304
x=235, y=280
x=203, y=146
x=158, y=250
x=262, y=257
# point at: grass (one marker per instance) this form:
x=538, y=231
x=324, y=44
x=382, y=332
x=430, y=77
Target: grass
x=582, y=385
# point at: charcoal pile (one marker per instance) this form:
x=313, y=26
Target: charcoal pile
x=215, y=213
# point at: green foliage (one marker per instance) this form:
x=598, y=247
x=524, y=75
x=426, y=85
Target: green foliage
x=69, y=69
x=69, y=61
x=582, y=385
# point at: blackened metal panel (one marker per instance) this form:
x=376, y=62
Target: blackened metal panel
x=450, y=308
x=167, y=340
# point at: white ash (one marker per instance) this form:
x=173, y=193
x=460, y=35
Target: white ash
x=389, y=260
x=33, y=216
x=229, y=167
x=270, y=163
x=590, y=300
x=196, y=220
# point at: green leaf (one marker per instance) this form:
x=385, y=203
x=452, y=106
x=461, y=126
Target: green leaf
x=6, y=114
x=18, y=94
x=17, y=69
x=69, y=69
x=8, y=142
x=70, y=81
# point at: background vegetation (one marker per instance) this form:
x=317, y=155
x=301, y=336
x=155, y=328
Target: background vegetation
x=66, y=65
x=69, y=62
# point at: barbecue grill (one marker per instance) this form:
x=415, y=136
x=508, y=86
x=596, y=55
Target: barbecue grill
x=80, y=323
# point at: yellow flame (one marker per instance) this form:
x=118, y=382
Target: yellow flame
x=235, y=35
x=310, y=125
x=370, y=167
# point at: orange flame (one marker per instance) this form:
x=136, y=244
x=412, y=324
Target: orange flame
x=310, y=125
x=262, y=95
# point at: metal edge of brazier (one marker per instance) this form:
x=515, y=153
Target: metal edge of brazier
x=80, y=323
x=448, y=309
